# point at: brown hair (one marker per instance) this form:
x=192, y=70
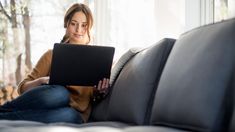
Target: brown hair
x=69, y=14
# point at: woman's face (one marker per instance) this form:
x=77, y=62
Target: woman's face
x=77, y=29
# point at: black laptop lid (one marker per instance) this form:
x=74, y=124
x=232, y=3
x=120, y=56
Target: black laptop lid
x=81, y=65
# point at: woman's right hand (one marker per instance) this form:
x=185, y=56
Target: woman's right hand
x=43, y=80
x=101, y=90
x=103, y=86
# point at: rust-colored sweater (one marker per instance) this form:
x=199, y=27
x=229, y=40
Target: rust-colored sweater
x=80, y=97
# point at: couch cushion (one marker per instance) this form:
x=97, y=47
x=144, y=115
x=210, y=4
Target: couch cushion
x=103, y=124
x=122, y=62
x=152, y=129
x=133, y=90
x=90, y=129
x=99, y=110
x=19, y=123
x=196, y=79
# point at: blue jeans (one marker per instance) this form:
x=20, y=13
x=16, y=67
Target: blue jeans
x=46, y=103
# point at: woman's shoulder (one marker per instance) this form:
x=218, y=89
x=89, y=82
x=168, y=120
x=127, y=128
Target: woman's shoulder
x=48, y=53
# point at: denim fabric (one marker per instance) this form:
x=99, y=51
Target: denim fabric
x=46, y=103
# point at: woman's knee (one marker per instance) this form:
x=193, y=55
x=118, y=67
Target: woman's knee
x=49, y=95
x=48, y=91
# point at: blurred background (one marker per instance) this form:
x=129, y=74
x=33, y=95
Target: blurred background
x=28, y=28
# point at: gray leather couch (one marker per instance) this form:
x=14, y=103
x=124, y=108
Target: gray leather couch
x=173, y=86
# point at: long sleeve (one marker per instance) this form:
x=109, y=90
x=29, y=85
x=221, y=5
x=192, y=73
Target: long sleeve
x=41, y=69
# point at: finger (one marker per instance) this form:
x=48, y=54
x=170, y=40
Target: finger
x=107, y=83
x=99, y=85
x=103, y=84
x=46, y=80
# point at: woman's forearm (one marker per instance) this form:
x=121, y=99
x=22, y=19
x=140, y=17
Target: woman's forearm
x=30, y=84
x=34, y=83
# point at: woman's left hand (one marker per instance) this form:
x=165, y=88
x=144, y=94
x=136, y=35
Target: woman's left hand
x=103, y=86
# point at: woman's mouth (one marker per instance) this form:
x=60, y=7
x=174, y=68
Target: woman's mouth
x=78, y=36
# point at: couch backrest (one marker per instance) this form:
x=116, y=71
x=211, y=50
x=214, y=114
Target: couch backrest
x=99, y=112
x=133, y=90
x=117, y=68
x=132, y=93
x=196, y=81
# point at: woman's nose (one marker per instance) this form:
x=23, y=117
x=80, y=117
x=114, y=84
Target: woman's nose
x=78, y=29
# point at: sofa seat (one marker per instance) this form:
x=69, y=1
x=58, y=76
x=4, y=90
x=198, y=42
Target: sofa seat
x=58, y=128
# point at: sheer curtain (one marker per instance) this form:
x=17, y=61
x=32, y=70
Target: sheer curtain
x=136, y=23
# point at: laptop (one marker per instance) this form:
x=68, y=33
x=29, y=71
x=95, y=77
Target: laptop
x=81, y=65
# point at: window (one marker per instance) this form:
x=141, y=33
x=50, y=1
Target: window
x=126, y=24
x=123, y=24
x=223, y=9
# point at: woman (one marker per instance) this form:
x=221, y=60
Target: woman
x=54, y=103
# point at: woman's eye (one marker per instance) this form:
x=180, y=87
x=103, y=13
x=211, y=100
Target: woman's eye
x=84, y=25
x=73, y=24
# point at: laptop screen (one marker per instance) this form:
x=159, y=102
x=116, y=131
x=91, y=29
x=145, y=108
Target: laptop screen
x=81, y=65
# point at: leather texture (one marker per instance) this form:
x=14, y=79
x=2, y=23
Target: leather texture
x=133, y=90
x=99, y=110
x=193, y=89
x=125, y=85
